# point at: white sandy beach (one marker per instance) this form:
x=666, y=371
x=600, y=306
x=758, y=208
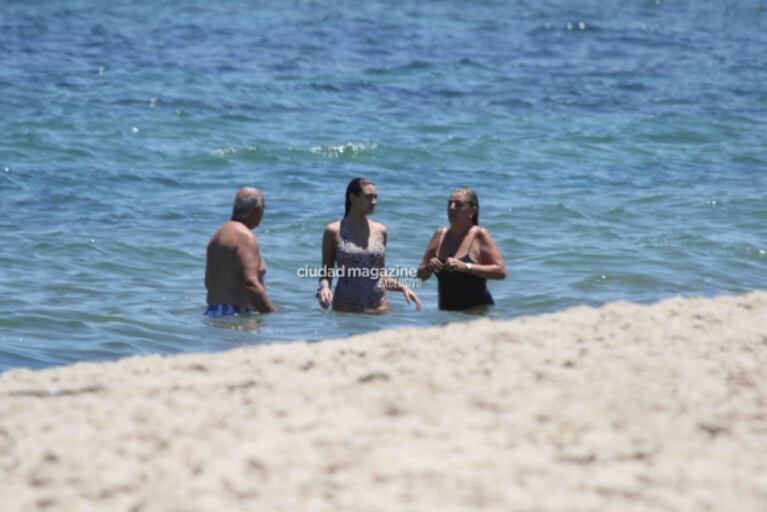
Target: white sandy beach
x=624, y=408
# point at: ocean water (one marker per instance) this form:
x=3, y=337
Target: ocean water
x=618, y=150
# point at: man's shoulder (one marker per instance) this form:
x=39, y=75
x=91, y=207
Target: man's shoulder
x=233, y=226
x=233, y=231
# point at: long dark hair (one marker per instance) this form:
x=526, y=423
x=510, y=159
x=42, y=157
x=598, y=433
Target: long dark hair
x=473, y=200
x=354, y=187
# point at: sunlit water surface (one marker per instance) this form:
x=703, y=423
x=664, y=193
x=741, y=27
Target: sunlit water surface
x=618, y=152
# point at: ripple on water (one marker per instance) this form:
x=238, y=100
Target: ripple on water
x=346, y=150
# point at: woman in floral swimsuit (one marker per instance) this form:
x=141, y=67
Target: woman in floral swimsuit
x=355, y=248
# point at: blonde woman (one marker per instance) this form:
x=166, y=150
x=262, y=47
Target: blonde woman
x=463, y=255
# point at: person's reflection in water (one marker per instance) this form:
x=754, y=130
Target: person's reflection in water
x=244, y=323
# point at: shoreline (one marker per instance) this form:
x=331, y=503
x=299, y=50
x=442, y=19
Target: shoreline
x=621, y=407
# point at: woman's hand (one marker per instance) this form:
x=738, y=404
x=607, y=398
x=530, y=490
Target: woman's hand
x=455, y=265
x=325, y=296
x=410, y=295
x=434, y=265
x=430, y=264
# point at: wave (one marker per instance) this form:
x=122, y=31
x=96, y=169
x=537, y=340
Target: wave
x=350, y=149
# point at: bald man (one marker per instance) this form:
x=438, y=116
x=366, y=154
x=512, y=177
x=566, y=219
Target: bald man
x=234, y=272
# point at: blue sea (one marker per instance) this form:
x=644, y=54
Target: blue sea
x=618, y=150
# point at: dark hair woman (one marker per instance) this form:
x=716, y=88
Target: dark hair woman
x=355, y=248
x=462, y=279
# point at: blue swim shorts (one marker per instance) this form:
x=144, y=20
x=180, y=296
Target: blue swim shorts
x=219, y=310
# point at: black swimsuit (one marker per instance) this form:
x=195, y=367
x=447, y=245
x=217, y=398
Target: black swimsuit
x=462, y=290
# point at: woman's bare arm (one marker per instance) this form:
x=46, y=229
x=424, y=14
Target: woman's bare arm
x=428, y=265
x=325, y=293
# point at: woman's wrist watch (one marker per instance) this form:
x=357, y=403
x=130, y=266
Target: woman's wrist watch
x=469, y=267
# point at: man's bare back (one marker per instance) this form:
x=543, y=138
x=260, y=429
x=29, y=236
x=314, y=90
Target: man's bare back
x=234, y=273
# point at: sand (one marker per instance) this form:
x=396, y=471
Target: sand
x=623, y=407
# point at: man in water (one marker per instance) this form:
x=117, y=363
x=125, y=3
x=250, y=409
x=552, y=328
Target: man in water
x=234, y=271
